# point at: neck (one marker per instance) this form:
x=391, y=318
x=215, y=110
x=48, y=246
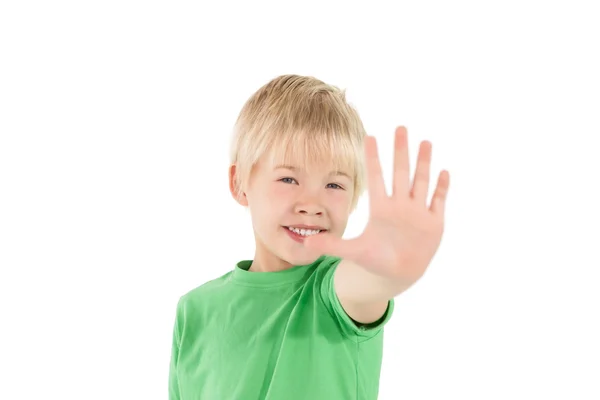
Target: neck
x=266, y=261
x=268, y=264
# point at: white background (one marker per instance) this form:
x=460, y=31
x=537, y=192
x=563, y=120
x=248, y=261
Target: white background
x=115, y=120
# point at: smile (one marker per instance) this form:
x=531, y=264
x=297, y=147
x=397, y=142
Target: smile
x=299, y=234
x=304, y=232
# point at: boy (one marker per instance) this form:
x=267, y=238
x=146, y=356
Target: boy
x=304, y=319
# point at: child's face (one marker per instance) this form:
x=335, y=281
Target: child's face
x=280, y=197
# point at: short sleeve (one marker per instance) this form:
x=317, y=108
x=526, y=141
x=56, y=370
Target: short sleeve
x=333, y=305
x=173, y=379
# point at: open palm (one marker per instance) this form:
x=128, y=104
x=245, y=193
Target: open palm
x=402, y=234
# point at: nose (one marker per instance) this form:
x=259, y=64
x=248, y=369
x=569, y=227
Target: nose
x=309, y=210
x=309, y=207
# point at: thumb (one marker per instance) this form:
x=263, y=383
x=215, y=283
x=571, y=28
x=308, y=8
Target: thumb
x=326, y=243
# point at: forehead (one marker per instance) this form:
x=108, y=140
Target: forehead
x=315, y=159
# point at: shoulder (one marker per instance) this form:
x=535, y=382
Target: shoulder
x=199, y=296
x=324, y=281
x=322, y=277
x=326, y=265
x=197, y=304
x=324, y=270
x=200, y=292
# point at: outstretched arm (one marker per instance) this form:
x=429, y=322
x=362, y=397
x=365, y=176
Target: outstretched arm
x=400, y=239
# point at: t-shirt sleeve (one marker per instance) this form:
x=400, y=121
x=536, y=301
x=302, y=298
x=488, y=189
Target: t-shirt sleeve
x=173, y=380
x=333, y=305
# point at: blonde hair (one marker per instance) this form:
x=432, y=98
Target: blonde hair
x=299, y=120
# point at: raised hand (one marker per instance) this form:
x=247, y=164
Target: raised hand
x=403, y=233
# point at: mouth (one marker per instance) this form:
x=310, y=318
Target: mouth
x=304, y=231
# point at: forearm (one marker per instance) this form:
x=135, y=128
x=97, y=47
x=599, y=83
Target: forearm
x=357, y=285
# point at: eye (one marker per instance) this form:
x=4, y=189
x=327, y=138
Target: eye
x=336, y=186
x=288, y=180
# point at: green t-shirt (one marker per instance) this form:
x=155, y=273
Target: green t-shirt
x=273, y=336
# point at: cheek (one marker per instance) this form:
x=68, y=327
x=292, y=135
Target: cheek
x=277, y=198
x=341, y=197
x=267, y=193
x=339, y=202
x=279, y=190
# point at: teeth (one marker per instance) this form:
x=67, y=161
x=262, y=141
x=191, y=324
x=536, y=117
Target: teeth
x=304, y=232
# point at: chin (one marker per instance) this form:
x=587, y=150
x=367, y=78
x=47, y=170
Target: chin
x=301, y=259
x=293, y=252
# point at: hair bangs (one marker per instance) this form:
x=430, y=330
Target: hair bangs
x=313, y=151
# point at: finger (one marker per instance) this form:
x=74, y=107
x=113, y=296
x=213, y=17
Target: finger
x=421, y=180
x=376, y=185
x=401, y=163
x=438, y=201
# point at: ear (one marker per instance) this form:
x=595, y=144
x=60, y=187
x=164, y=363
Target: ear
x=241, y=198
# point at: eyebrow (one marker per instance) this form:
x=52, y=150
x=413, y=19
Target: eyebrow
x=332, y=173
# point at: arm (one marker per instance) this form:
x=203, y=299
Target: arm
x=364, y=295
x=399, y=241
